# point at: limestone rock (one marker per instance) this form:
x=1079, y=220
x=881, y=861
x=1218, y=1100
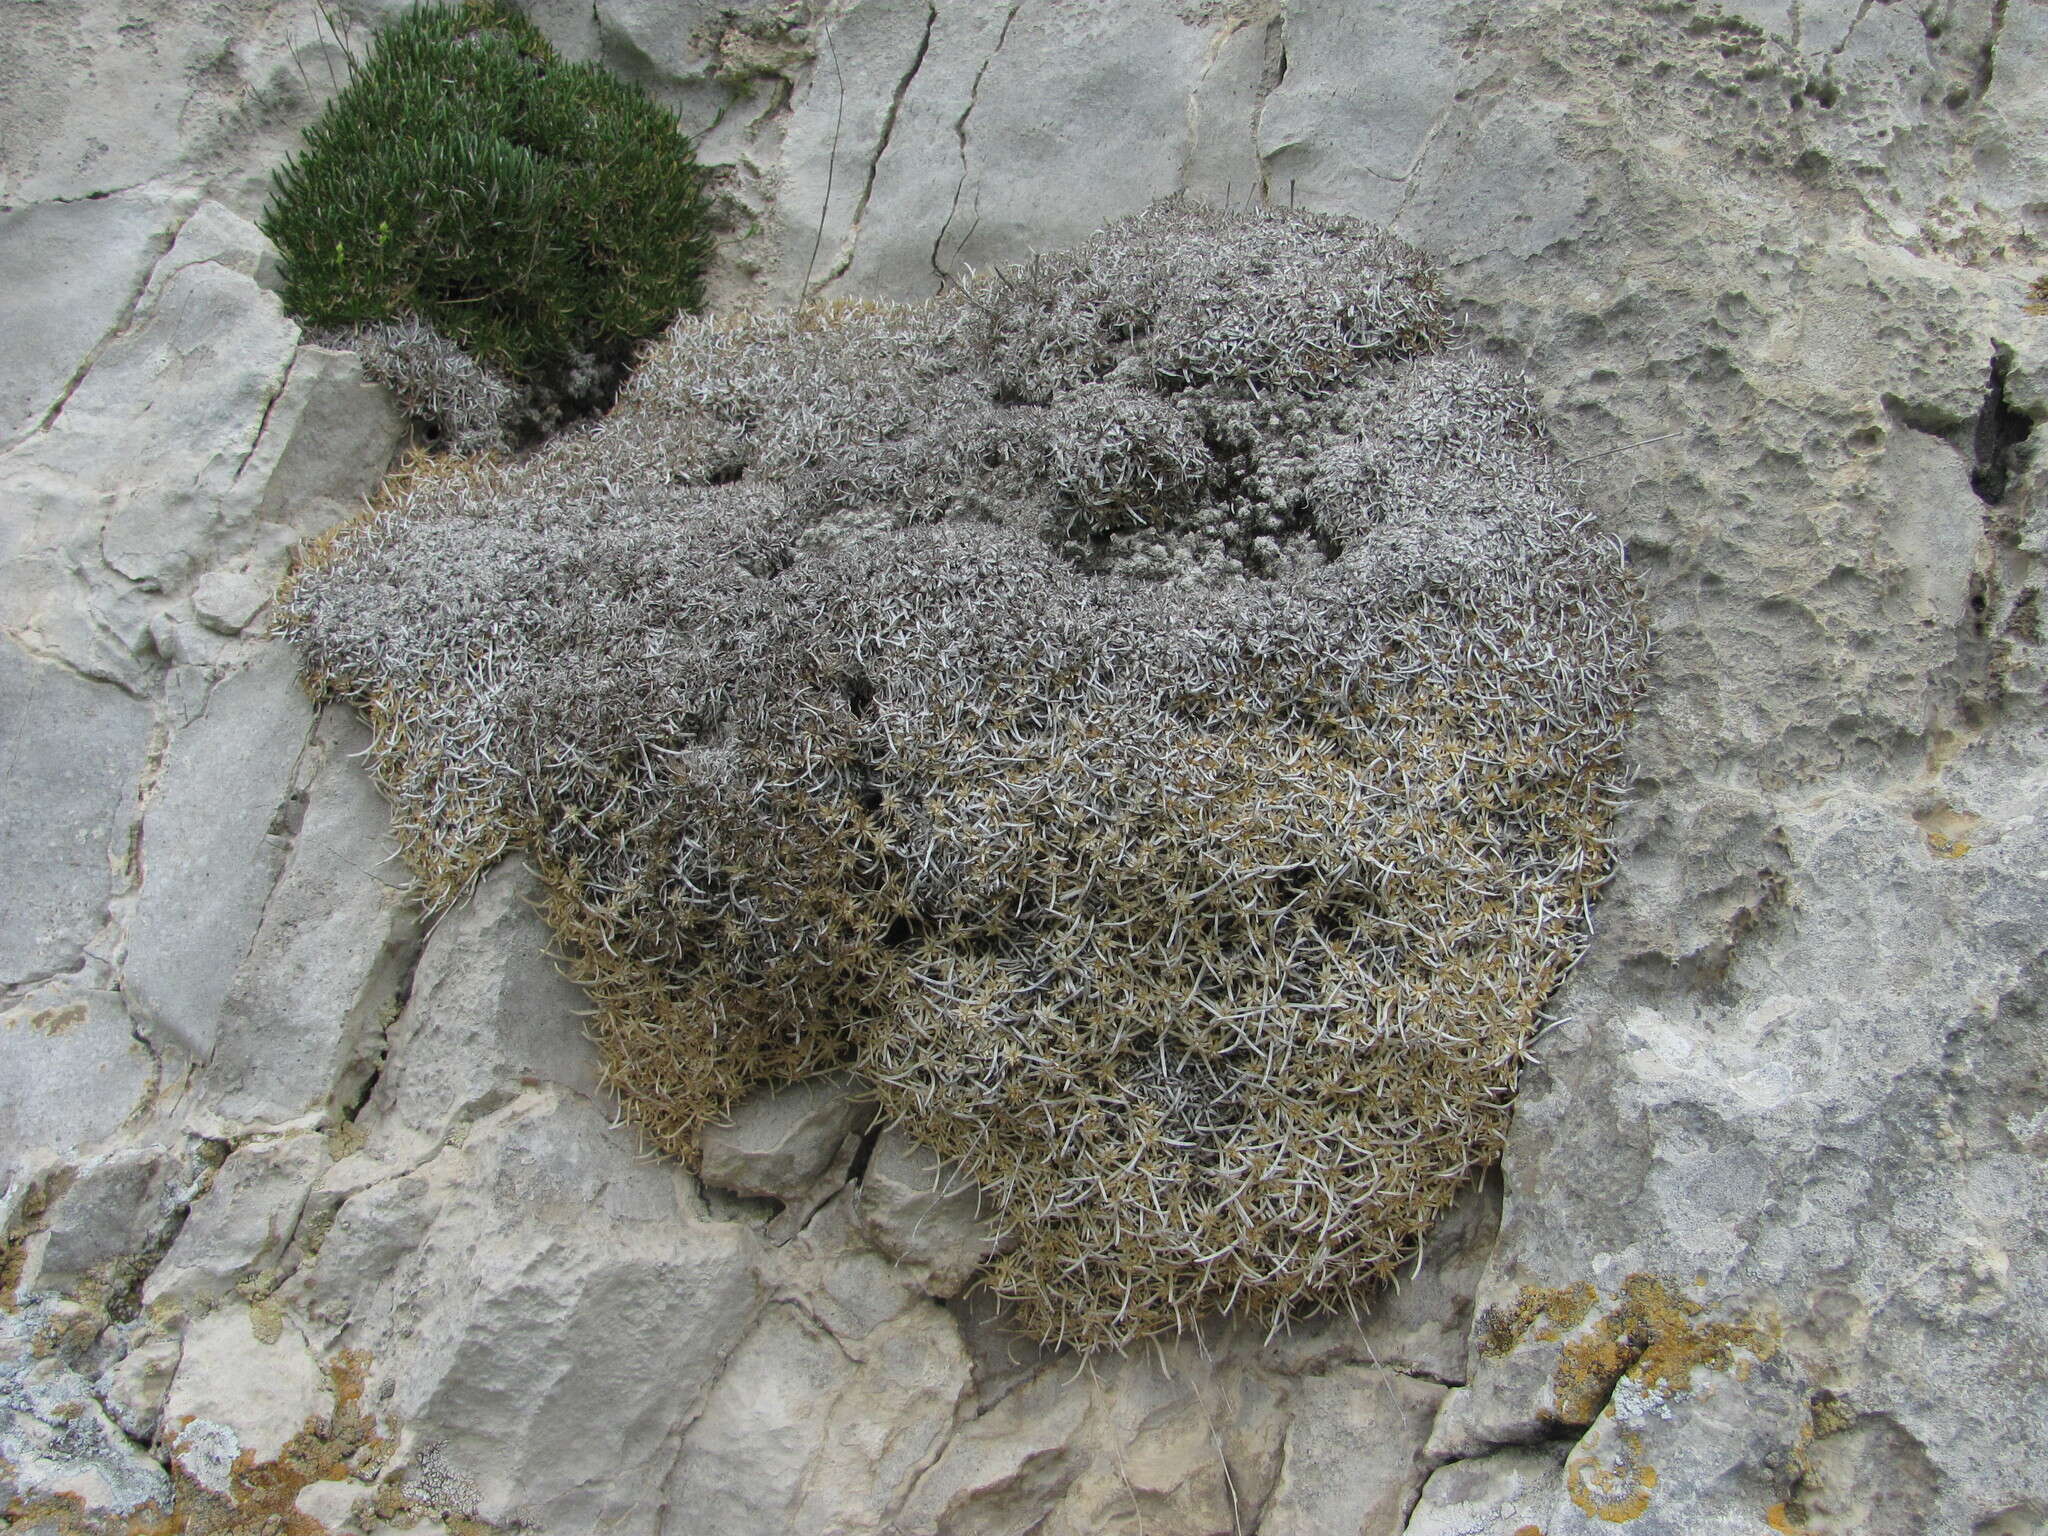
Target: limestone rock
x=1353, y=1457
x=201, y=435
x=1321, y=108
x=989, y=129
x=914, y=1209
x=74, y=272
x=1172, y=1446
x=1004, y=1468
x=242, y=1389
x=240, y=1227
x=330, y=435
x=329, y=1504
x=793, y=1440
x=135, y=1386
x=76, y=750
x=779, y=1141
x=56, y=1443
x=103, y=97
x=121, y=1204
x=488, y=1015
x=72, y=1075
x=214, y=837
x=559, y=1320
x=1512, y=1489
x=371, y=1235
x=217, y=236
x=303, y=1021
x=226, y=601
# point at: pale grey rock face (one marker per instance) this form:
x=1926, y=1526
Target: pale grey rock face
x=72, y=1075
x=102, y=97
x=226, y=601
x=487, y=1015
x=76, y=749
x=778, y=1143
x=134, y=1387
x=1510, y=1490
x=214, y=838
x=240, y=1227
x=187, y=435
x=1757, y=259
x=303, y=1021
x=57, y=1444
x=119, y=1205
x=74, y=272
x=804, y=1434
x=1351, y=1459
x=241, y=1389
x=915, y=1209
x=559, y=1318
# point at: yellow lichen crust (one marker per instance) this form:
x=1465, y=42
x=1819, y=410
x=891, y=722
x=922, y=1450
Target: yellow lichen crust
x=1563, y=1306
x=1154, y=713
x=1611, y=1482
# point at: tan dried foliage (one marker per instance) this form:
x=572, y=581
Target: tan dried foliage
x=1153, y=712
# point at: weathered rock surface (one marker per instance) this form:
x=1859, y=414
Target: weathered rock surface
x=779, y=1143
x=1767, y=1249
x=77, y=747
x=75, y=269
x=915, y=1209
x=121, y=1205
x=72, y=1074
x=242, y=1388
x=557, y=1320
x=487, y=1016
x=213, y=841
x=240, y=1227
x=303, y=1021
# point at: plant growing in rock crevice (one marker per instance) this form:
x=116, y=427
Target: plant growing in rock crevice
x=1154, y=712
x=468, y=189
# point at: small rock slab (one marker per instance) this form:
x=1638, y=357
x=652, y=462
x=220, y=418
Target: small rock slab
x=917, y=1210
x=779, y=1141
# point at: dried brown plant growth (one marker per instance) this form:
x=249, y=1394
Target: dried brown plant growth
x=1153, y=712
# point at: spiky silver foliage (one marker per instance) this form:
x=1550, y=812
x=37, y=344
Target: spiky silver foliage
x=1153, y=712
x=469, y=406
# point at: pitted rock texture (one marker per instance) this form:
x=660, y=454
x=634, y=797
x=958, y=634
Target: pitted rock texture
x=1772, y=1217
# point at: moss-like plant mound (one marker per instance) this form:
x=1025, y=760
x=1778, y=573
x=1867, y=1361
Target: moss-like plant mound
x=1154, y=714
x=543, y=216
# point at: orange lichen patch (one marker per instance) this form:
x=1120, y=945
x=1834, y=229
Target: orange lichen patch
x=1617, y=1493
x=1587, y=1371
x=1675, y=1339
x=262, y=1496
x=1786, y=1517
x=65, y=1514
x=1501, y=1329
x=1529, y=1530
x=1659, y=1336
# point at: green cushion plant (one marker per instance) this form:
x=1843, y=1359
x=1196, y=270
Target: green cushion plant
x=545, y=216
